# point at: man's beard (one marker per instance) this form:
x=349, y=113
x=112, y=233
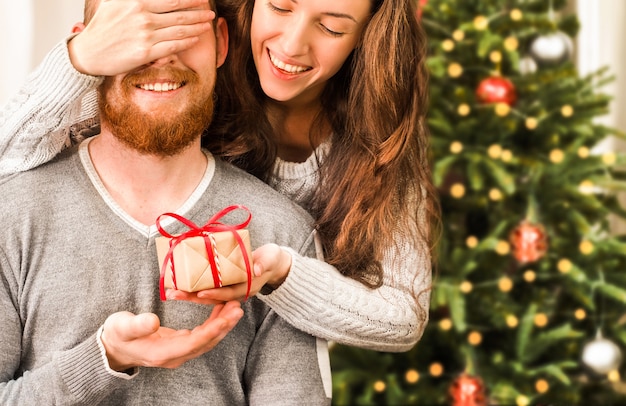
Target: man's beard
x=155, y=133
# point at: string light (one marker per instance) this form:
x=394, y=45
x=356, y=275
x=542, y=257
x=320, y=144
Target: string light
x=456, y=147
x=412, y=376
x=435, y=369
x=471, y=242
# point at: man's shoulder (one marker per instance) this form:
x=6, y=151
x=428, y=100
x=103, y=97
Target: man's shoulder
x=48, y=176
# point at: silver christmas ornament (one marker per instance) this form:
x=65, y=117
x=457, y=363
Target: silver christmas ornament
x=602, y=355
x=527, y=65
x=551, y=49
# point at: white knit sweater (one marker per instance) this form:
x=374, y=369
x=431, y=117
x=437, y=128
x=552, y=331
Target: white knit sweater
x=36, y=124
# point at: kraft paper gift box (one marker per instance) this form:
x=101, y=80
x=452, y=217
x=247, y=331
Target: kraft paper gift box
x=192, y=265
x=206, y=257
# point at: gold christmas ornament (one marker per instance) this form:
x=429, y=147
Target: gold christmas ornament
x=502, y=109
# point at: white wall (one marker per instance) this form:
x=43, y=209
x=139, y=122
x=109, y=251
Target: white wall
x=28, y=29
x=600, y=43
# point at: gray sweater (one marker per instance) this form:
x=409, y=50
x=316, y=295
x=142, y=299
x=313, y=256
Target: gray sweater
x=69, y=257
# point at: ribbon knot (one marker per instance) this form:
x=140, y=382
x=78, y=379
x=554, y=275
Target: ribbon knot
x=205, y=231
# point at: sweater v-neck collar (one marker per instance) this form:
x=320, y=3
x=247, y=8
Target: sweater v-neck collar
x=146, y=230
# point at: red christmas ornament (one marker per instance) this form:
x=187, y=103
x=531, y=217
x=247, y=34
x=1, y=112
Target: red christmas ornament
x=420, y=7
x=496, y=89
x=529, y=242
x=467, y=390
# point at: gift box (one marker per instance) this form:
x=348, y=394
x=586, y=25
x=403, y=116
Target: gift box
x=206, y=257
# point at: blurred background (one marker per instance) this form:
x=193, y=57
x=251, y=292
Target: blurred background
x=527, y=103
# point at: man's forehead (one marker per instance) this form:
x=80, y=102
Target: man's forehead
x=92, y=5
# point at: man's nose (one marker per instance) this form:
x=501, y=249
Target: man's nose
x=166, y=60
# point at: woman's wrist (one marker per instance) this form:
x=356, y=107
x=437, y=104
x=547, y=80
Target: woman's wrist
x=282, y=270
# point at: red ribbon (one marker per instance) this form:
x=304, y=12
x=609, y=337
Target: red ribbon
x=211, y=226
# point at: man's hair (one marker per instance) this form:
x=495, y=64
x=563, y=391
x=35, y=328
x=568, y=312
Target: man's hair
x=90, y=10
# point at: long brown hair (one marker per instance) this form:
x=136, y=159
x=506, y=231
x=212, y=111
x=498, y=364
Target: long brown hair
x=375, y=181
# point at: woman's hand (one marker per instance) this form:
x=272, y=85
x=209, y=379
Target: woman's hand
x=271, y=267
x=126, y=34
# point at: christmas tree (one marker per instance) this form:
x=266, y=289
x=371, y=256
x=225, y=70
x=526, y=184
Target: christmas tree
x=529, y=300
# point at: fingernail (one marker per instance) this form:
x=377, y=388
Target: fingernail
x=257, y=270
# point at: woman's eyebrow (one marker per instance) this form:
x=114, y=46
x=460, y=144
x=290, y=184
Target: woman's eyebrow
x=341, y=15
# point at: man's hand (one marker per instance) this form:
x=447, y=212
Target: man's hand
x=126, y=34
x=139, y=340
x=271, y=267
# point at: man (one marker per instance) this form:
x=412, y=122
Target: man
x=82, y=322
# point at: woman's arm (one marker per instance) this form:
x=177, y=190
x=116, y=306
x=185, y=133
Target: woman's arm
x=317, y=299
x=35, y=125
x=40, y=120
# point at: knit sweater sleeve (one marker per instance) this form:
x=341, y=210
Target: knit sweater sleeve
x=36, y=123
x=316, y=298
x=75, y=376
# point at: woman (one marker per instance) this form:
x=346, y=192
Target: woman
x=323, y=100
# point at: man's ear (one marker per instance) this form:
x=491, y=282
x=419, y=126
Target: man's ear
x=78, y=27
x=221, y=40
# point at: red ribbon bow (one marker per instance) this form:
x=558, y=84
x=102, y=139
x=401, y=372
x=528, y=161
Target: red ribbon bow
x=211, y=226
